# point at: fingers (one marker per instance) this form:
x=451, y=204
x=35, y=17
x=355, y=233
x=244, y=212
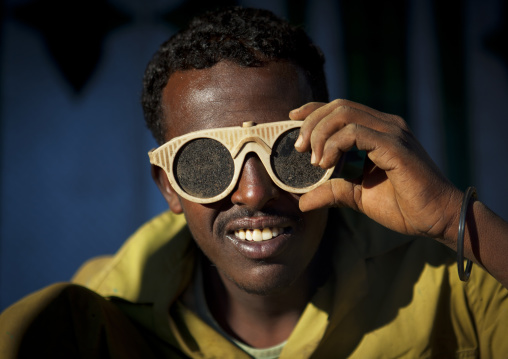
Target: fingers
x=384, y=149
x=299, y=114
x=334, y=193
x=311, y=113
x=328, y=128
x=302, y=112
x=400, y=186
x=335, y=133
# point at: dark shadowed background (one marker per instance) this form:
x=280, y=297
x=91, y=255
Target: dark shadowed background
x=75, y=179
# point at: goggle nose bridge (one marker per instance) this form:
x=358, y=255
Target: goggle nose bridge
x=250, y=144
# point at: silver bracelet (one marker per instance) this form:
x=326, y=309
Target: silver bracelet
x=464, y=275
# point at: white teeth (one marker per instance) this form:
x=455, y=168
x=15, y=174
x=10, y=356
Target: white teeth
x=258, y=235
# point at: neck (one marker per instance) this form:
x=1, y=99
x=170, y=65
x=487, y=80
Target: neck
x=258, y=320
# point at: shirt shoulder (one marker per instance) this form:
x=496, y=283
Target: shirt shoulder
x=68, y=320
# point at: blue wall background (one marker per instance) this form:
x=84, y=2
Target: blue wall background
x=75, y=179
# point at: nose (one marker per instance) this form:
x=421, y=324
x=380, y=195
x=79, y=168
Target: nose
x=255, y=189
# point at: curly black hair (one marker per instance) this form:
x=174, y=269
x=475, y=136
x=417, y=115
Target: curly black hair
x=246, y=36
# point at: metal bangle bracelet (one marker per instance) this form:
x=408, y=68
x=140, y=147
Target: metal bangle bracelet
x=464, y=275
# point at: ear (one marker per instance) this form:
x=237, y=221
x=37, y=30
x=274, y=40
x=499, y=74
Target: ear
x=161, y=180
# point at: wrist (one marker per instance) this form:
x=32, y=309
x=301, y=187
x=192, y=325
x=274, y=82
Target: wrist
x=452, y=218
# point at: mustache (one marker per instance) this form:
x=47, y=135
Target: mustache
x=246, y=212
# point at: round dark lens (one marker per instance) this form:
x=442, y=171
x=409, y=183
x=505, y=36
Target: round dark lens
x=203, y=168
x=292, y=167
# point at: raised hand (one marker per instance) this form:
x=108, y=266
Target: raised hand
x=401, y=187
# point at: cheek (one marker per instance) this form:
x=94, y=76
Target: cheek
x=200, y=219
x=197, y=218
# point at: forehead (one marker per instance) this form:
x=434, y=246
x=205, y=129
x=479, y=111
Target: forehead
x=228, y=94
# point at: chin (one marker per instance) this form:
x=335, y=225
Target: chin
x=274, y=280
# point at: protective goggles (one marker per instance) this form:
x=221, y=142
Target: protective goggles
x=204, y=166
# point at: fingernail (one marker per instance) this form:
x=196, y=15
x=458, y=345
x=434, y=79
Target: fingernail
x=299, y=141
x=313, y=158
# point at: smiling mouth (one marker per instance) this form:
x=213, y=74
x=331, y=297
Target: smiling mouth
x=258, y=235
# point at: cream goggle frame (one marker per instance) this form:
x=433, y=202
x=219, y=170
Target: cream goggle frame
x=204, y=166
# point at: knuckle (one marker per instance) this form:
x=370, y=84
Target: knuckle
x=400, y=122
x=336, y=102
x=340, y=102
x=341, y=109
x=352, y=128
x=344, y=113
x=340, y=115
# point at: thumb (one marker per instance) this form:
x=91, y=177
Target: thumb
x=337, y=192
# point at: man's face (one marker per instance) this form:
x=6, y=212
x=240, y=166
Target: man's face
x=228, y=95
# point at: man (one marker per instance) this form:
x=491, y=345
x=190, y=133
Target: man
x=248, y=266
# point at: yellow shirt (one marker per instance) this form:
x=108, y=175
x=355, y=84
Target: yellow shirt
x=389, y=296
